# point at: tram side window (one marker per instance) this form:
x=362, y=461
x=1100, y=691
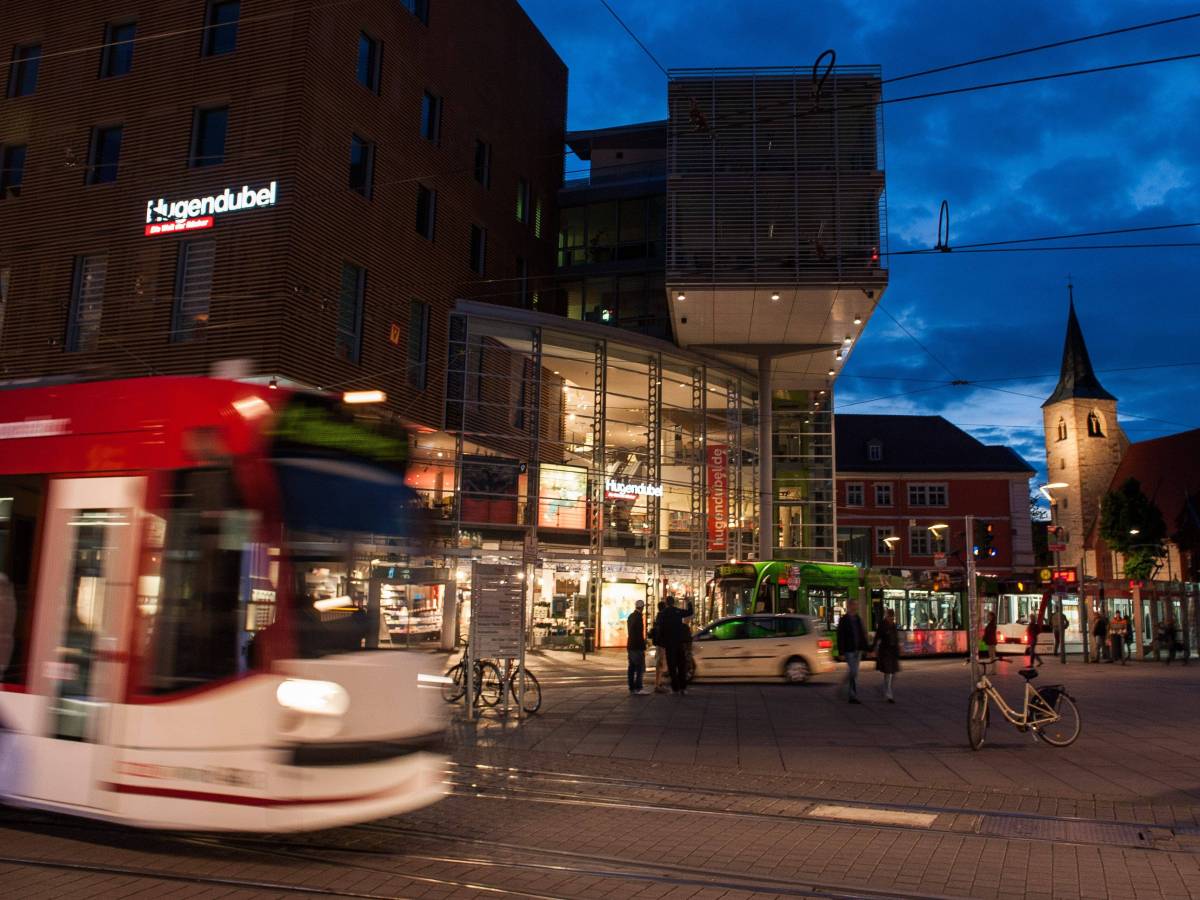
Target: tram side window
x=200, y=626
x=20, y=512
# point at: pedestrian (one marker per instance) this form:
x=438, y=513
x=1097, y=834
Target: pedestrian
x=1032, y=632
x=1171, y=640
x=988, y=641
x=1129, y=636
x=887, y=652
x=1116, y=637
x=1059, y=625
x=671, y=630
x=1100, y=633
x=852, y=642
x=635, y=646
x=660, y=653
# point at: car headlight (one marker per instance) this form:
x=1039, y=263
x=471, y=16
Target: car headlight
x=318, y=698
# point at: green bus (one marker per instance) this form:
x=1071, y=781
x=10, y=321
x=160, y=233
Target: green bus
x=930, y=608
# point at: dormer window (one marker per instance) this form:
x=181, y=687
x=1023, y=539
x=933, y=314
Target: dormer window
x=1062, y=428
x=1095, y=426
x=875, y=451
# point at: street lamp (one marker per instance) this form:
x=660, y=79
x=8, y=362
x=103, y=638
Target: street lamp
x=892, y=540
x=1083, y=625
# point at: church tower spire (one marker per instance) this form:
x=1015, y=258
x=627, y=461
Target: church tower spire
x=1084, y=442
x=1077, y=379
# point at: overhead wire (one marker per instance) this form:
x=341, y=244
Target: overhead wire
x=636, y=39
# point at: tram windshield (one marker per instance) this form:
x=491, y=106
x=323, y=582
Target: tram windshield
x=732, y=596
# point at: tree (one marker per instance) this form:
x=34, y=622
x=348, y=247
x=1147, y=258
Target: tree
x=1133, y=526
x=1039, y=519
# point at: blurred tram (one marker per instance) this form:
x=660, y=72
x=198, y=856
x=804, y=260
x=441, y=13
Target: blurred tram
x=188, y=637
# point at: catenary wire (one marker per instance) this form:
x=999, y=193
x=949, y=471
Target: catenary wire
x=636, y=39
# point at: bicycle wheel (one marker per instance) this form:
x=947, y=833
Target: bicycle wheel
x=1063, y=731
x=453, y=691
x=489, y=685
x=977, y=718
x=532, y=701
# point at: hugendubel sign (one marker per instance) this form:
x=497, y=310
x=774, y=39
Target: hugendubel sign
x=165, y=216
x=718, y=496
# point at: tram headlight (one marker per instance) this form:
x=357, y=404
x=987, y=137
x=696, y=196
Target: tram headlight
x=319, y=698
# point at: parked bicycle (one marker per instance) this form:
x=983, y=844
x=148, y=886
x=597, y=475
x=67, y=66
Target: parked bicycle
x=1049, y=713
x=531, y=699
x=487, y=684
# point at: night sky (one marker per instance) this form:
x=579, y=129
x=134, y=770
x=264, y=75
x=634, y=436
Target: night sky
x=1090, y=153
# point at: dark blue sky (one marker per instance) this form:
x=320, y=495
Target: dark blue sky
x=1080, y=154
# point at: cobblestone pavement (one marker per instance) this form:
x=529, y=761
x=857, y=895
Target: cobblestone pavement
x=731, y=791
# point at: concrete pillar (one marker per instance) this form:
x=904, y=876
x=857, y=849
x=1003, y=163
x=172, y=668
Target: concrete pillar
x=766, y=474
x=450, y=611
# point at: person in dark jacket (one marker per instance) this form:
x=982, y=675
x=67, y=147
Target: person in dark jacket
x=1100, y=633
x=1032, y=632
x=635, y=645
x=887, y=651
x=1129, y=636
x=670, y=630
x=660, y=654
x=989, y=639
x=852, y=643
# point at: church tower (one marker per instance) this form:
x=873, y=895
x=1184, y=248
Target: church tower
x=1084, y=442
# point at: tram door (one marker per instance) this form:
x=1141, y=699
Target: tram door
x=81, y=639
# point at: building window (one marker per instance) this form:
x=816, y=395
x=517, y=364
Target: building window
x=882, y=546
x=426, y=211
x=854, y=493
x=483, y=163
x=12, y=170
x=875, y=451
x=431, y=117
x=522, y=200
x=926, y=494
x=350, y=311
x=523, y=282
x=1095, y=427
x=221, y=27
x=920, y=541
x=370, y=55
x=116, y=58
x=419, y=8
x=87, y=298
x=23, y=70
x=193, y=289
x=1062, y=429
x=103, y=155
x=478, y=248
x=362, y=165
x=418, y=343
x=208, y=136
x=883, y=495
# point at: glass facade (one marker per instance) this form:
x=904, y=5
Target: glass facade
x=614, y=466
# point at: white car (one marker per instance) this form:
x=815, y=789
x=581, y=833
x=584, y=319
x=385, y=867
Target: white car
x=791, y=647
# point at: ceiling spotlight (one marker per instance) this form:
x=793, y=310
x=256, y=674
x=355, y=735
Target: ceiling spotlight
x=847, y=339
x=273, y=384
x=857, y=319
x=821, y=392
x=775, y=296
x=838, y=355
x=681, y=296
x=831, y=373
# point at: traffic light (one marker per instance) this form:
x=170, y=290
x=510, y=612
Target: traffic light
x=985, y=534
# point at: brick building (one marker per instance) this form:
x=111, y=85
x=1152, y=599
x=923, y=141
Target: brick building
x=384, y=179
x=900, y=477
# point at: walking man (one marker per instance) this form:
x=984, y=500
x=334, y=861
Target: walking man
x=672, y=632
x=635, y=645
x=1060, y=628
x=852, y=643
x=1116, y=636
x=1100, y=633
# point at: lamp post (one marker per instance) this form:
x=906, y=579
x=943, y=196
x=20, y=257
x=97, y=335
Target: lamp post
x=1083, y=625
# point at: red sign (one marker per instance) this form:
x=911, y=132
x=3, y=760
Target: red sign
x=157, y=228
x=1066, y=576
x=718, y=497
x=1057, y=548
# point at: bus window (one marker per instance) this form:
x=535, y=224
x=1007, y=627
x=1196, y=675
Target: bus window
x=732, y=596
x=197, y=625
x=20, y=511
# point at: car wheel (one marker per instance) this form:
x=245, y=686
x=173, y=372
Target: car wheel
x=796, y=671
